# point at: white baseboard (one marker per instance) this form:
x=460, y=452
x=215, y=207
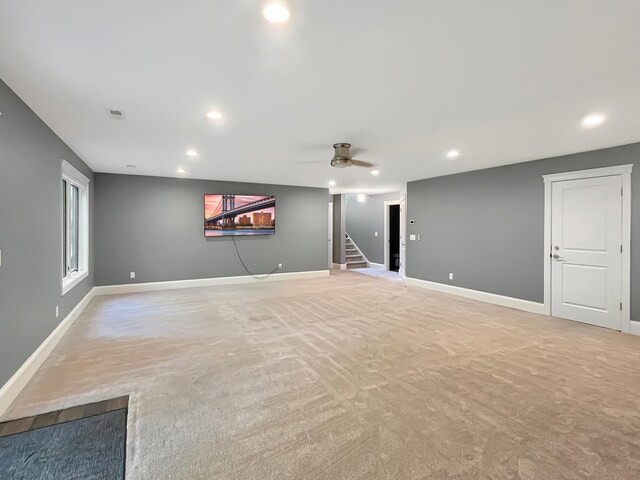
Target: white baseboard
x=204, y=282
x=510, y=302
x=634, y=328
x=19, y=380
x=376, y=266
x=341, y=266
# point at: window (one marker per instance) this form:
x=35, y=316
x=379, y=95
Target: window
x=75, y=227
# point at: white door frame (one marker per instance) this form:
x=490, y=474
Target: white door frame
x=330, y=227
x=625, y=172
x=403, y=232
x=387, y=260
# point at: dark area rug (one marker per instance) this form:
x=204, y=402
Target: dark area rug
x=91, y=448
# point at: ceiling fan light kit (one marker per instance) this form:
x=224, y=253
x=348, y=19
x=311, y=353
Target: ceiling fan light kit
x=342, y=157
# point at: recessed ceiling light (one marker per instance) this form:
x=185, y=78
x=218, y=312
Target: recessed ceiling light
x=192, y=153
x=375, y=172
x=276, y=13
x=215, y=115
x=593, y=120
x=453, y=154
x=332, y=183
x=181, y=171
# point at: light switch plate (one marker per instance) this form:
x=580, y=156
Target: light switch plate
x=412, y=237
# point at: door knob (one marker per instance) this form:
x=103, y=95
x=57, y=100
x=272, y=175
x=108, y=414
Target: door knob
x=558, y=257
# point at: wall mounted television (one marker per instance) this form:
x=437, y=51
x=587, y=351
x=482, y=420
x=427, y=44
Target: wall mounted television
x=233, y=215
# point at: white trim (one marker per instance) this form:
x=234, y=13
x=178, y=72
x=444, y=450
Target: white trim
x=376, y=266
x=625, y=324
x=75, y=177
x=510, y=302
x=634, y=327
x=204, y=282
x=341, y=266
x=386, y=232
x=547, y=249
x=73, y=174
x=19, y=380
x=625, y=172
x=403, y=232
x=590, y=173
x=330, y=235
x=72, y=280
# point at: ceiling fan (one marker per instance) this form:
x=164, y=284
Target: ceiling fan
x=343, y=157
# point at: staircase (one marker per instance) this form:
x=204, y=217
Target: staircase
x=353, y=255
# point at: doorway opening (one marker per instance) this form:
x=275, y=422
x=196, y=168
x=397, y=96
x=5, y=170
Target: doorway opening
x=393, y=242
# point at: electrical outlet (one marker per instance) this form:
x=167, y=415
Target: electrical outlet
x=451, y=276
x=132, y=275
x=376, y=234
x=57, y=311
x=279, y=266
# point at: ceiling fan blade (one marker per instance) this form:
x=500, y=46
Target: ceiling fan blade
x=313, y=146
x=360, y=163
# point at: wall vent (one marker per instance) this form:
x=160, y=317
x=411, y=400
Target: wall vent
x=116, y=114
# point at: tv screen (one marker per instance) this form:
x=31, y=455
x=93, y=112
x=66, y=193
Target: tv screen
x=231, y=214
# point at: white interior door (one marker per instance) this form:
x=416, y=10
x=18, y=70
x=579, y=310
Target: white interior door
x=586, y=240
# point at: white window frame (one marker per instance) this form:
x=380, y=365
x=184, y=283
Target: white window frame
x=73, y=176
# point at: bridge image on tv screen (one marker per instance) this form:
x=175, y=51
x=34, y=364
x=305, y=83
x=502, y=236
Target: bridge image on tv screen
x=239, y=215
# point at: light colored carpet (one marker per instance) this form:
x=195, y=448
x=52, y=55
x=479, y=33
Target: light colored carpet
x=349, y=377
x=375, y=272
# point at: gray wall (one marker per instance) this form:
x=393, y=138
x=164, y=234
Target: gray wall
x=30, y=232
x=364, y=219
x=154, y=227
x=487, y=226
x=339, y=228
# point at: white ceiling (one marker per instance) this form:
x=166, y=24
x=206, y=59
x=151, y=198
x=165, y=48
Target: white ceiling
x=502, y=81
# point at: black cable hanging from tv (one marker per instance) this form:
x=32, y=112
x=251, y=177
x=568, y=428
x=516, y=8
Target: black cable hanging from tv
x=245, y=267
